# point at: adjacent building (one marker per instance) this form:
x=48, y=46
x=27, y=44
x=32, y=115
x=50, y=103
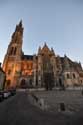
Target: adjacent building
x=2, y=78
x=30, y=70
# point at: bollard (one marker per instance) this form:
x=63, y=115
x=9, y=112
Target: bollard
x=62, y=106
x=82, y=92
x=41, y=103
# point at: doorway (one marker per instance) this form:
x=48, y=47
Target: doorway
x=23, y=83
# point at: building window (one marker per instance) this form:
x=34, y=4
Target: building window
x=9, y=72
x=12, y=65
x=27, y=66
x=11, y=51
x=68, y=76
x=15, y=49
x=30, y=67
x=74, y=76
x=81, y=81
x=8, y=82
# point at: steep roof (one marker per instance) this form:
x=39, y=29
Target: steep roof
x=45, y=49
x=27, y=57
x=72, y=65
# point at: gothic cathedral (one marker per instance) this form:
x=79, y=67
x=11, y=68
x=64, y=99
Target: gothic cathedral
x=32, y=70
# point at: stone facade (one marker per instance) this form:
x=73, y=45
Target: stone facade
x=30, y=70
x=2, y=78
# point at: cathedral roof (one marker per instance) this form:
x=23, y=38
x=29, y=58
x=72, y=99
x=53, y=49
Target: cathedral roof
x=27, y=57
x=72, y=65
x=45, y=48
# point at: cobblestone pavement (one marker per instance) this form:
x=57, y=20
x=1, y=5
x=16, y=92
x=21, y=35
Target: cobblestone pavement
x=17, y=110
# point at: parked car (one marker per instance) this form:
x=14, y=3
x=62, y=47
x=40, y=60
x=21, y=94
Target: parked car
x=6, y=93
x=12, y=91
x=1, y=96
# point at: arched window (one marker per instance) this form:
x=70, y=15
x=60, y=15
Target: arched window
x=15, y=40
x=9, y=72
x=68, y=76
x=14, y=52
x=11, y=51
x=74, y=76
x=27, y=66
x=23, y=83
x=80, y=81
x=8, y=82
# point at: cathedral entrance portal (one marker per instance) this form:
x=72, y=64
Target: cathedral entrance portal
x=61, y=84
x=23, y=83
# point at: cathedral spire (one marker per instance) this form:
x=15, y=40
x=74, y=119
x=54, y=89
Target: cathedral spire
x=15, y=46
x=45, y=45
x=19, y=27
x=18, y=33
x=20, y=23
x=52, y=50
x=66, y=61
x=39, y=50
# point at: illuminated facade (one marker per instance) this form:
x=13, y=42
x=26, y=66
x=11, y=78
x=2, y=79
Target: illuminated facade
x=30, y=70
x=2, y=78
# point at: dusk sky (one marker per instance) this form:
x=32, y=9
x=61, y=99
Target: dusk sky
x=59, y=23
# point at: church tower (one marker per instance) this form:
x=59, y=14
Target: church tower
x=12, y=60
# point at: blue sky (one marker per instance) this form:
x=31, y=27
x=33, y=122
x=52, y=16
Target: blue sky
x=59, y=23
